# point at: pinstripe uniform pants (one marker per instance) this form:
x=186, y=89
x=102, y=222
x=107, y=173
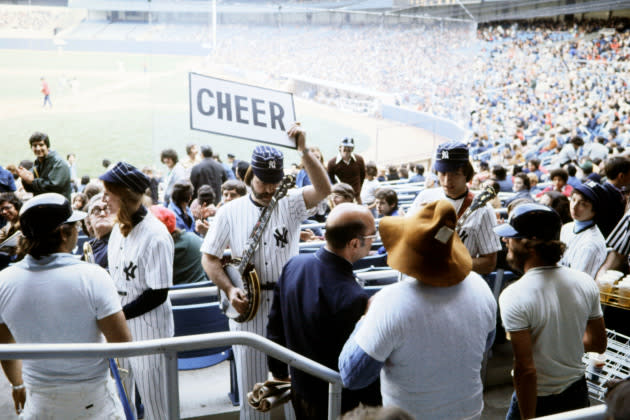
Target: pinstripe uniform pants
x=251, y=364
x=148, y=373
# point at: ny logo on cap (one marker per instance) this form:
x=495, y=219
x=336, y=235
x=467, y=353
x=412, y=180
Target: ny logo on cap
x=444, y=154
x=272, y=164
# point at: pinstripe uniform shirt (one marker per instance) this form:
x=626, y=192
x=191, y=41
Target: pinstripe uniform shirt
x=144, y=260
x=477, y=232
x=280, y=241
x=586, y=250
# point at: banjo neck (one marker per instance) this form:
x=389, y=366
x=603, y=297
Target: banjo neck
x=254, y=238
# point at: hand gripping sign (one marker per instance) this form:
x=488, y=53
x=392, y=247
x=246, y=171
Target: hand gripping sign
x=240, y=110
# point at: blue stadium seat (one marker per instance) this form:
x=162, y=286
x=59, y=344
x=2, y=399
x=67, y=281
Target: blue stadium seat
x=377, y=260
x=372, y=290
x=497, y=280
x=208, y=283
x=200, y=319
x=377, y=276
x=308, y=250
x=193, y=296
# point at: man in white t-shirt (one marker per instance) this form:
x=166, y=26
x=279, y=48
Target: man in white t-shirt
x=415, y=332
x=52, y=297
x=552, y=315
x=454, y=172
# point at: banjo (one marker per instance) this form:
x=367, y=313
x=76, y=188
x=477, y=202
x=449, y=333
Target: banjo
x=480, y=200
x=241, y=271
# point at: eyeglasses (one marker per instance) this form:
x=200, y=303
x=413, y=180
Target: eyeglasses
x=373, y=237
x=97, y=210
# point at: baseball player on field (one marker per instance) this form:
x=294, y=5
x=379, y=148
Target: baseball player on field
x=140, y=255
x=454, y=171
x=232, y=226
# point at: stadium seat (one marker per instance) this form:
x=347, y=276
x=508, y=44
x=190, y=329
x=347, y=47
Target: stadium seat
x=200, y=319
x=498, y=279
x=193, y=295
x=196, y=285
x=377, y=276
x=371, y=261
x=372, y=290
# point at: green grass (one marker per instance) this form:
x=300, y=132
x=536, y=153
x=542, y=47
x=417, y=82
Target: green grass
x=121, y=115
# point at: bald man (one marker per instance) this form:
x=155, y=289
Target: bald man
x=317, y=296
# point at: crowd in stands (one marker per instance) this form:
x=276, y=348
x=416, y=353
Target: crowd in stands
x=549, y=122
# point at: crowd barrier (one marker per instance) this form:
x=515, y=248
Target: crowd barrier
x=597, y=412
x=169, y=347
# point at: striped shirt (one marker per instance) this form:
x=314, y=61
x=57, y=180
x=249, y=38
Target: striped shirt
x=586, y=250
x=280, y=241
x=619, y=238
x=144, y=260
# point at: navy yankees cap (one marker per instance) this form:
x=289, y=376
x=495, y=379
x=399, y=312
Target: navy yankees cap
x=592, y=191
x=450, y=156
x=267, y=164
x=531, y=221
x=128, y=176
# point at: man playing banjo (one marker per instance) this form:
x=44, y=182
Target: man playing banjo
x=279, y=241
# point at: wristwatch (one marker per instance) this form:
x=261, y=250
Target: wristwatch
x=303, y=152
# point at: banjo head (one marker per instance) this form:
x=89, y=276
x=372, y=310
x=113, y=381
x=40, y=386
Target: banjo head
x=250, y=286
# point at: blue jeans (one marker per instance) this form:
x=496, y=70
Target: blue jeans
x=572, y=398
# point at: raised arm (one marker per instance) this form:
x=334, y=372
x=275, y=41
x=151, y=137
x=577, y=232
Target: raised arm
x=320, y=187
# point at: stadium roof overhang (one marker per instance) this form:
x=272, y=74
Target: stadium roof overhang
x=469, y=10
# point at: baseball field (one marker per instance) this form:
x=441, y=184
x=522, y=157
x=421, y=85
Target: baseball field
x=131, y=106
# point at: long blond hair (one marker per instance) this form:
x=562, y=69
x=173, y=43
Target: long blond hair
x=128, y=203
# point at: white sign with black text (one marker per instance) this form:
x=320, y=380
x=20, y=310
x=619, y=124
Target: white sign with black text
x=240, y=110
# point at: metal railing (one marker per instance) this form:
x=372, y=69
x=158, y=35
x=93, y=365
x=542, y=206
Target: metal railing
x=597, y=412
x=169, y=347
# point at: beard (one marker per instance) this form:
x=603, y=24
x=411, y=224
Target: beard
x=264, y=197
x=516, y=259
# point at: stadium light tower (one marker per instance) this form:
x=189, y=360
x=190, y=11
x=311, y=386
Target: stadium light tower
x=214, y=26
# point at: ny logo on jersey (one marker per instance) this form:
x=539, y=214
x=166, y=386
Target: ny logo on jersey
x=130, y=271
x=463, y=235
x=281, y=237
